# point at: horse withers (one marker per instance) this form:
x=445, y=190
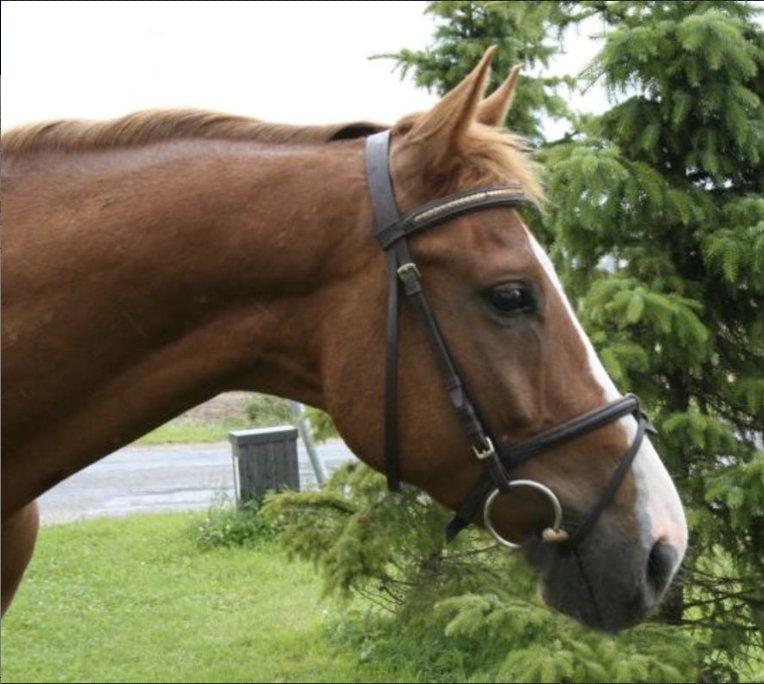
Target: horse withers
x=154, y=261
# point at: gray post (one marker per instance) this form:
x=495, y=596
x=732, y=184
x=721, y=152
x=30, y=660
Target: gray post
x=264, y=460
x=303, y=425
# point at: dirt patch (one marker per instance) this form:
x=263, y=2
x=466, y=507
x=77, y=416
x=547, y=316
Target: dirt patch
x=224, y=407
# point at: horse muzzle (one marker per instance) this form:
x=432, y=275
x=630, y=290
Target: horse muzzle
x=606, y=582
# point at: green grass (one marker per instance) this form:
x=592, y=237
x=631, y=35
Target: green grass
x=186, y=432
x=134, y=599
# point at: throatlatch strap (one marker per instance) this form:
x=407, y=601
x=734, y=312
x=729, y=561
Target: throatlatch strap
x=391, y=378
x=385, y=211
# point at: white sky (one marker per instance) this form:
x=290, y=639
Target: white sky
x=293, y=62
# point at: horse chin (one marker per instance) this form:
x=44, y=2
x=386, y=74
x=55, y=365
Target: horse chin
x=587, y=599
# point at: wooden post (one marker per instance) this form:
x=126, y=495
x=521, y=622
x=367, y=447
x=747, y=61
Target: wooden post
x=264, y=460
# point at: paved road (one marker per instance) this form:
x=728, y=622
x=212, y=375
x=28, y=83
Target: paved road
x=161, y=478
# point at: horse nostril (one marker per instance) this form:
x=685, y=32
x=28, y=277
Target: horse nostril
x=660, y=564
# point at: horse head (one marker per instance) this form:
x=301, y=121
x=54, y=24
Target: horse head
x=514, y=342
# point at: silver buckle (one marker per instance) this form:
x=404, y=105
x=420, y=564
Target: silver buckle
x=557, y=533
x=407, y=268
x=483, y=454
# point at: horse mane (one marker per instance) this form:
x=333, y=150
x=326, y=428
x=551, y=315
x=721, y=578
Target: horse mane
x=489, y=154
x=141, y=128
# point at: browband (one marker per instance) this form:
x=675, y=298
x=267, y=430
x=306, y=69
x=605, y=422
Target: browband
x=450, y=206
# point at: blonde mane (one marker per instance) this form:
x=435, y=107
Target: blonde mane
x=141, y=128
x=495, y=155
x=486, y=155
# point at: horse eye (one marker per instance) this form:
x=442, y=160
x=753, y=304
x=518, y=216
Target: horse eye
x=509, y=300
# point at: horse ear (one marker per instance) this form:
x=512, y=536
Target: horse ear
x=493, y=110
x=447, y=122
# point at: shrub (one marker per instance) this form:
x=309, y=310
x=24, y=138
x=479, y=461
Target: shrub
x=463, y=612
x=226, y=525
x=266, y=411
x=321, y=423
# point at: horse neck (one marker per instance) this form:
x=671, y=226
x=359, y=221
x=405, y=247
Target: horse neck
x=190, y=268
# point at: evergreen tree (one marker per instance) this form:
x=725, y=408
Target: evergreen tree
x=449, y=613
x=526, y=33
x=656, y=222
x=671, y=181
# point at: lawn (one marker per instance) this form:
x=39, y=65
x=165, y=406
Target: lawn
x=188, y=432
x=134, y=599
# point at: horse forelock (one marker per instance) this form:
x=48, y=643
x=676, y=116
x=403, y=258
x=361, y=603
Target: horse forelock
x=485, y=155
x=496, y=155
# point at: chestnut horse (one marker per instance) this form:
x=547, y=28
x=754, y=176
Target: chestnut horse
x=155, y=261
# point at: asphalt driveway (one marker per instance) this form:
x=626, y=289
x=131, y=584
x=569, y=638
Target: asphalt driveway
x=169, y=477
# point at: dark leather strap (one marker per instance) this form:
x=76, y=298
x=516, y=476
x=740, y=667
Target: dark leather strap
x=470, y=505
x=385, y=210
x=401, y=266
x=453, y=383
x=446, y=208
x=391, y=378
x=580, y=425
x=383, y=203
x=580, y=529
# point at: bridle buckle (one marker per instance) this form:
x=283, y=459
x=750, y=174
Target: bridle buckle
x=407, y=269
x=485, y=453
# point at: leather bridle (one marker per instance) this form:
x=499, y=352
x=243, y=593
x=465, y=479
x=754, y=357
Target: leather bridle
x=392, y=230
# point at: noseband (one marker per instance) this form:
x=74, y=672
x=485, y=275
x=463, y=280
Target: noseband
x=392, y=230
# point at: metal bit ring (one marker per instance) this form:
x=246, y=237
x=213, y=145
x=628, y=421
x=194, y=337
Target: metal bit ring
x=515, y=484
